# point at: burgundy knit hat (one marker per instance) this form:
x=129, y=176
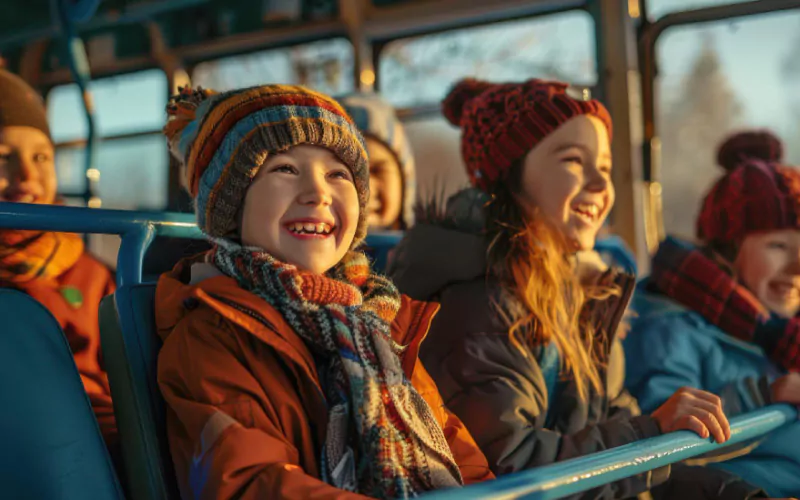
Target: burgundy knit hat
x=20, y=105
x=756, y=194
x=500, y=123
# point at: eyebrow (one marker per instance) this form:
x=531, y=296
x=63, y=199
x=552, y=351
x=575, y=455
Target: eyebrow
x=564, y=147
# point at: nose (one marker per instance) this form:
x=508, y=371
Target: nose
x=22, y=170
x=597, y=181
x=314, y=190
x=793, y=266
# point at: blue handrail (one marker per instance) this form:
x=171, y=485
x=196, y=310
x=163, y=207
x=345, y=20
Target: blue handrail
x=580, y=474
x=137, y=229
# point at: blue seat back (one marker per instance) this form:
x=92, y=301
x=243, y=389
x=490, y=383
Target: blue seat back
x=51, y=444
x=378, y=246
x=130, y=347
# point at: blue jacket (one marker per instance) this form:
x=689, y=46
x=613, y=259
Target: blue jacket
x=670, y=346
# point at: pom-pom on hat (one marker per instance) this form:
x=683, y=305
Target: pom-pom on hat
x=758, y=144
x=501, y=122
x=756, y=194
x=223, y=139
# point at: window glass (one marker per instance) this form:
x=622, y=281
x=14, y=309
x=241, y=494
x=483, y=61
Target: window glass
x=123, y=104
x=133, y=172
x=420, y=71
x=714, y=79
x=658, y=8
x=326, y=66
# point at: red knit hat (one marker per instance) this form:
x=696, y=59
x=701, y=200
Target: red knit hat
x=500, y=123
x=756, y=194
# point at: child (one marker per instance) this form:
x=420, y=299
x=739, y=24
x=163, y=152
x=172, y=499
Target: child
x=524, y=349
x=288, y=368
x=704, y=313
x=392, y=181
x=53, y=268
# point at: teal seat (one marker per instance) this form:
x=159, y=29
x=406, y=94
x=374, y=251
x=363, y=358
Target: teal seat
x=51, y=444
x=130, y=348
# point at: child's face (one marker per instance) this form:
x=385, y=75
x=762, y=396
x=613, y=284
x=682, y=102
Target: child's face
x=27, y=166
x=567, y=177
x=302, y=208
x=385, y=186
x=769, y=265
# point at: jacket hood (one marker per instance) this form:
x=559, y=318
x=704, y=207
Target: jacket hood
x=444, y=247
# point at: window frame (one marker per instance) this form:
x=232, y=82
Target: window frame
x=649, y=34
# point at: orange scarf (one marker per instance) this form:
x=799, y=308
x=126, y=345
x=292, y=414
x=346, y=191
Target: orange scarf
x=32, y=255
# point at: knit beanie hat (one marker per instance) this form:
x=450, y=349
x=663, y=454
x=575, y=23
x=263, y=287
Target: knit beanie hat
x=377, y=119
x=756, y=194
x=223, y=139
x=501, y=123
x=20, y=105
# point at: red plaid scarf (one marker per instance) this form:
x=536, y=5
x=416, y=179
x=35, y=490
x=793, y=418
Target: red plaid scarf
x=686, y=275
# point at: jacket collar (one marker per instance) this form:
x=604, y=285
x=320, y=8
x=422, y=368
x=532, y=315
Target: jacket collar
x=192, y=283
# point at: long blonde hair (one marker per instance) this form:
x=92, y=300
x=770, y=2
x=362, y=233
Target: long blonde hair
x=530, y=258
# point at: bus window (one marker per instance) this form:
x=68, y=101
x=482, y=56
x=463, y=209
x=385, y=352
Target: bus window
x=714, y=79
x=132, y=157
x=419, y=71
x=658, y=8
x=326, y=66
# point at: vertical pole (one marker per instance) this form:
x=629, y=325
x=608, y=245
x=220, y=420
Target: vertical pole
x=353, y=13
x=619, y=75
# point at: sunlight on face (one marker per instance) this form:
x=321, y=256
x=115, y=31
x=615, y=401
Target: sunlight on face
x=567, y=177
x=769, y=265
x=385, y=186
x=27, y=166
x=302, y=208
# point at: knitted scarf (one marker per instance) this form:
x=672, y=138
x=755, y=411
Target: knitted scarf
x=32, y=255
x=691, y=278
x=382, y=439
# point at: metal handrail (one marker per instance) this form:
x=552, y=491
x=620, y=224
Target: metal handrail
x=580, y=474
x=137, y=229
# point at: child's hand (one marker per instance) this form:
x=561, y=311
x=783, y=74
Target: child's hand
x=694, y=410
x=787, y=389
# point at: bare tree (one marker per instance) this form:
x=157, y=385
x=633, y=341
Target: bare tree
x=692, y=123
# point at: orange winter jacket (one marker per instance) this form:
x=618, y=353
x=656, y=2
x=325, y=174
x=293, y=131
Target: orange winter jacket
x=246, y=413
x=79, y=320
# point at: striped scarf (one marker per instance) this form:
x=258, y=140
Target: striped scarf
x=382, y=439
x=27, y=256
x=686, y=275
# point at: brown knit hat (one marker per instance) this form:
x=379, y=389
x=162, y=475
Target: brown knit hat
x=20, y=105
x=501, y=122
x=756, y=194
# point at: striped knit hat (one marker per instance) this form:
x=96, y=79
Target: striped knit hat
x=757, y=194
x=377, y=119
x=223, y=139
x=500, y=123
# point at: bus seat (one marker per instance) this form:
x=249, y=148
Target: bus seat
x=52, y=446
x=378, y=247
x=130, y=348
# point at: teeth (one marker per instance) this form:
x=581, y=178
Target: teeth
x=590, y=210
x=310, y=228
